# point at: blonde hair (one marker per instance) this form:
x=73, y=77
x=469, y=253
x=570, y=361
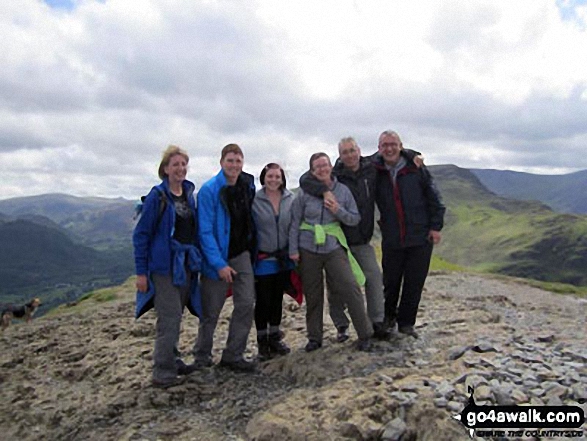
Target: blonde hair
x=169, y=152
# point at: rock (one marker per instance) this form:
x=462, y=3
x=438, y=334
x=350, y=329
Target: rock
x=483, y=392
x=519, y=397
x=484, y=346
x=546, y=338
x=394, y=430
x=457, y=352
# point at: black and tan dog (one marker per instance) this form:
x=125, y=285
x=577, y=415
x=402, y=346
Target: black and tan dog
x=24, y=312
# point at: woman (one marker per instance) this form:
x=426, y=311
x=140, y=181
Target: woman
x=167, y=261
x=272, y=214
x=318, y=243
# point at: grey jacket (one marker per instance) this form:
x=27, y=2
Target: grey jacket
x=271, y=235
x=311, y=209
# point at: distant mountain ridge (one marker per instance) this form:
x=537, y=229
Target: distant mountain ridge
x=519, y=238
x=563, y=193
x=58, y=246
x=39, y=259
x=98, y=222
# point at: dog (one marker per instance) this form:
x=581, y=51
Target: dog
x=24, y=312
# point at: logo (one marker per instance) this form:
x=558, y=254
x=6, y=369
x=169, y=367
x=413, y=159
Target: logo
x=489, y=421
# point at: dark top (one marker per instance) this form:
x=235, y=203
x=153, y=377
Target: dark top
x=185, y=225
x=239, y=207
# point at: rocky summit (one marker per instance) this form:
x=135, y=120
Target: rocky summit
x=83, y=373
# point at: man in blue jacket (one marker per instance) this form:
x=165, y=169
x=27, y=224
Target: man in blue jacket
x=412, y=215
x=227, y=240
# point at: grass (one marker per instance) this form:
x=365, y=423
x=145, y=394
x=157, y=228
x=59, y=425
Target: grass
x=439, y=264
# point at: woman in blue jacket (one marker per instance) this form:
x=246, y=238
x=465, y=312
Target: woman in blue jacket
x=167, y=261
x=272, y=214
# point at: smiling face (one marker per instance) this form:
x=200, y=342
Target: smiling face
x=232, y=166
x=176, y=169
x=390, y=147
x=321, y=169
x=350, y=155
x=273, y=180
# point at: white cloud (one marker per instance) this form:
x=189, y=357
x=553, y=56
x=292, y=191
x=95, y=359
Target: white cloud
x=89, y=97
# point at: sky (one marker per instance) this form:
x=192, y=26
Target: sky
x=92, y=91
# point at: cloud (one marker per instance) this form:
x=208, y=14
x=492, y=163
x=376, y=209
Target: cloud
x=91, y=93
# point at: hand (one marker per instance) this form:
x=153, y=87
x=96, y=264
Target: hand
x=331, y=204
x=227, y=274
x=434, y=236
x=295, y=257
x=142, y=283
x=329, y=195
x=418, y=161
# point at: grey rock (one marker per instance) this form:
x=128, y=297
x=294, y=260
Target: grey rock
x=484, y=346
x=546, y=338
x=457, y=352
x=394, y=430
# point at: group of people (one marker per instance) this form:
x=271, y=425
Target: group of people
x=247, y=243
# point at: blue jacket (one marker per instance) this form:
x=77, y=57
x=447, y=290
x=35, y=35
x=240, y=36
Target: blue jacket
x=214, y=222
x=155, y=250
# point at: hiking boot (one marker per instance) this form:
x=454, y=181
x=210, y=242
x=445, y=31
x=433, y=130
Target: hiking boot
x=381, y=332
x=276, y=344
x=202, y=363
x=363, y=344
x=164, y=384
x=342, y=334
x=390, y=323
x=264, y=348
x=408, y=330
x=241, y=365
x=312, y=345
x=185, y=369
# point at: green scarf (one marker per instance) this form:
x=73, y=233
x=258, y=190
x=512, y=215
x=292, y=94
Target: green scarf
x=333, y=229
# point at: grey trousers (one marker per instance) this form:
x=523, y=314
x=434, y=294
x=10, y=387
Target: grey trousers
x=213, y=298
x=365, y=255
x=343, y=286
x=169, y=303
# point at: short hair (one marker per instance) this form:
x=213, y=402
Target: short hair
x=348, y=140
x=271, y=166
x=389, y=133
x=231, y=148
x=318, y=156
x=169, y=152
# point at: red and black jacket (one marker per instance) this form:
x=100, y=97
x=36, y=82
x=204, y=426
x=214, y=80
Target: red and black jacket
x=410, y=208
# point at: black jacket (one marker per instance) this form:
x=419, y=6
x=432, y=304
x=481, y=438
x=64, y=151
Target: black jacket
x=362, y=185
x=410, y=209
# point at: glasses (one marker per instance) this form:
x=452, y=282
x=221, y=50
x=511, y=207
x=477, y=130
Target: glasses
x=386, y=145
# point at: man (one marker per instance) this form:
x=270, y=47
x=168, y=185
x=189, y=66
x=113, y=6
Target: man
x=317, y=241
x=227, y=239
x=359, y=175
x=412, y=215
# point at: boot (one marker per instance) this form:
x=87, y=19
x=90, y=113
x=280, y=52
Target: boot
x=277, y=345
x=264, y=348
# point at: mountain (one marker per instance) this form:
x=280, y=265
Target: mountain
x=98, y=222
x=520, y=238
x=40, y=259
x=563, y=193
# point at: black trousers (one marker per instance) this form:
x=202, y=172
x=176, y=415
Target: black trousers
x=410, y=267
x=268, y=308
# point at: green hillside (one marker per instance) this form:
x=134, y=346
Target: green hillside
x=39, y=259
x=519, y=238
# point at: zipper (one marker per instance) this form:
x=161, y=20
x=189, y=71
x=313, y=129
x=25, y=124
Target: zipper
x=367, y=188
